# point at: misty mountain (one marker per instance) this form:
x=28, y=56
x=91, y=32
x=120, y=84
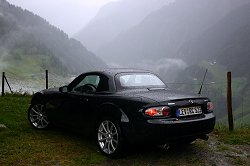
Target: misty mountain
x=227, y=42
x=114, y=18
x=223, y=47
x=28, y=38
x=163, y=33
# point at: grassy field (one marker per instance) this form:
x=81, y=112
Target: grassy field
x=22, y=145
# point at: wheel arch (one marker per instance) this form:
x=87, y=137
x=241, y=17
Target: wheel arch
x=111, y=110
x=38, y=97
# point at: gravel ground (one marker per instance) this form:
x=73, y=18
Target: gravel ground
x=222, y=154
x=208, y=153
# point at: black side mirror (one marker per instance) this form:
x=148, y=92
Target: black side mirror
x=63, y=89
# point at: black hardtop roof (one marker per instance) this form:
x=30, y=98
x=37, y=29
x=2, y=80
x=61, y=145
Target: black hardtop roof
x=115, y=71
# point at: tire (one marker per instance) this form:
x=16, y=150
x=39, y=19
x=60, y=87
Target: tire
x=109, y=138
x=37, y=116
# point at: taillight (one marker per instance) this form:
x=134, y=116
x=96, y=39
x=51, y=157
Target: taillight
x=210, y=107
x=158, y=112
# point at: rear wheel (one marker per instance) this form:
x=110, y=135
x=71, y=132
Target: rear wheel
x=37, y=116
x=109, y=138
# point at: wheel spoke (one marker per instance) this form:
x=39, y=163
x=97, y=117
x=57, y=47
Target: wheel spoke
x=46, y=122
x=111, y=128
x=41, y=122
x=115, y=141
x=34, y=111
x=34, y=119
x=112, y=145
x=109, y=150
x=104, y=128
x=34, y=116
x=108, y=126
x=105, y=145
x=103, y=139
x=102, y=133
x=115, y=133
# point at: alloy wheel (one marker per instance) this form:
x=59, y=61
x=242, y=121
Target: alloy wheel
x=37, y=116
x=108, y=137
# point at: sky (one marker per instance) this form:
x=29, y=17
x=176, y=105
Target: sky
x=68, y=15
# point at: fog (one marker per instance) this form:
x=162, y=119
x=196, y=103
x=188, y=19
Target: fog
x=176, y=39
x=165, y=36
x=115, y=18
x=68, y=15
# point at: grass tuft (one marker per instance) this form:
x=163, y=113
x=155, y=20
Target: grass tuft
x=240, y=136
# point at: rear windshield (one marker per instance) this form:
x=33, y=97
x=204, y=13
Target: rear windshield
x=139, y=80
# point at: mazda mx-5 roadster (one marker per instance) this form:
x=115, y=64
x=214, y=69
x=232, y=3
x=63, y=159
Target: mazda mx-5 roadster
x=119, y=107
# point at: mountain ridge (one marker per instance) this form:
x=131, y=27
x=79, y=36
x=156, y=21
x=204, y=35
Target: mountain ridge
x=114, y=18
x=227, y=42
x=164, y=32
x=24, y=33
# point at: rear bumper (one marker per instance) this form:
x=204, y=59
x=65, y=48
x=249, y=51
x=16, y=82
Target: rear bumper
x=163, y=130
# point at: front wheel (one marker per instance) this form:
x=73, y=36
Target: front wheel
x=37, y=116
x=109, y=138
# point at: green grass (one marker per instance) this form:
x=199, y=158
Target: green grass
x=20, y=144
x=26, y=66
x=240, y=95
x=219, y=75
x=23, y=64
x=240, y=135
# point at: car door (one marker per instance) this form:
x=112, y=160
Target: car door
x=77, y=110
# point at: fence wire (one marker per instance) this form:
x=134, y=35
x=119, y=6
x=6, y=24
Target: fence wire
x=216, y=91
x=31, y=83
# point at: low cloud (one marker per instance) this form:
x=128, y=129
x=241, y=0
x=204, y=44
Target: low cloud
x=166, y=68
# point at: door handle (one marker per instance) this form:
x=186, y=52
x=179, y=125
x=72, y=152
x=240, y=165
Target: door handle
x=85, y=99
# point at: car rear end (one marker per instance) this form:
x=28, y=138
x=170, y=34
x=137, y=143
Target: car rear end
x=174, y=120
x=168, y=115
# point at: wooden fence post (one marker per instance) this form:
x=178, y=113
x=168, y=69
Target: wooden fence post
x=229, y=102
x=3, y=83
x=47, y=78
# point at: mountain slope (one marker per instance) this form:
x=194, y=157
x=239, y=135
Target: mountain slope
x=114, y=18
x=24, y=35
x=164, y=32
x=223, y=47
x=227, y=42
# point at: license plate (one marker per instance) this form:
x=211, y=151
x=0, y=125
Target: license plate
x=188, y=111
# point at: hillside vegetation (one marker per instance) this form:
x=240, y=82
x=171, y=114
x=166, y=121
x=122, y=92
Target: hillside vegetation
x=30, y=43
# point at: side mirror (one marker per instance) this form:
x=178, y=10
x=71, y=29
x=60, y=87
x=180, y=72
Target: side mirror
x=63, y=89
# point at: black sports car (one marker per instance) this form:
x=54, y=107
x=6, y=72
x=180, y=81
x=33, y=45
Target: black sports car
x=120, y=106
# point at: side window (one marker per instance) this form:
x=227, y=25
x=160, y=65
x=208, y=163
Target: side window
x=88, y=84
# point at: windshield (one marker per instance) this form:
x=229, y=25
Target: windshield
x=140, y=80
